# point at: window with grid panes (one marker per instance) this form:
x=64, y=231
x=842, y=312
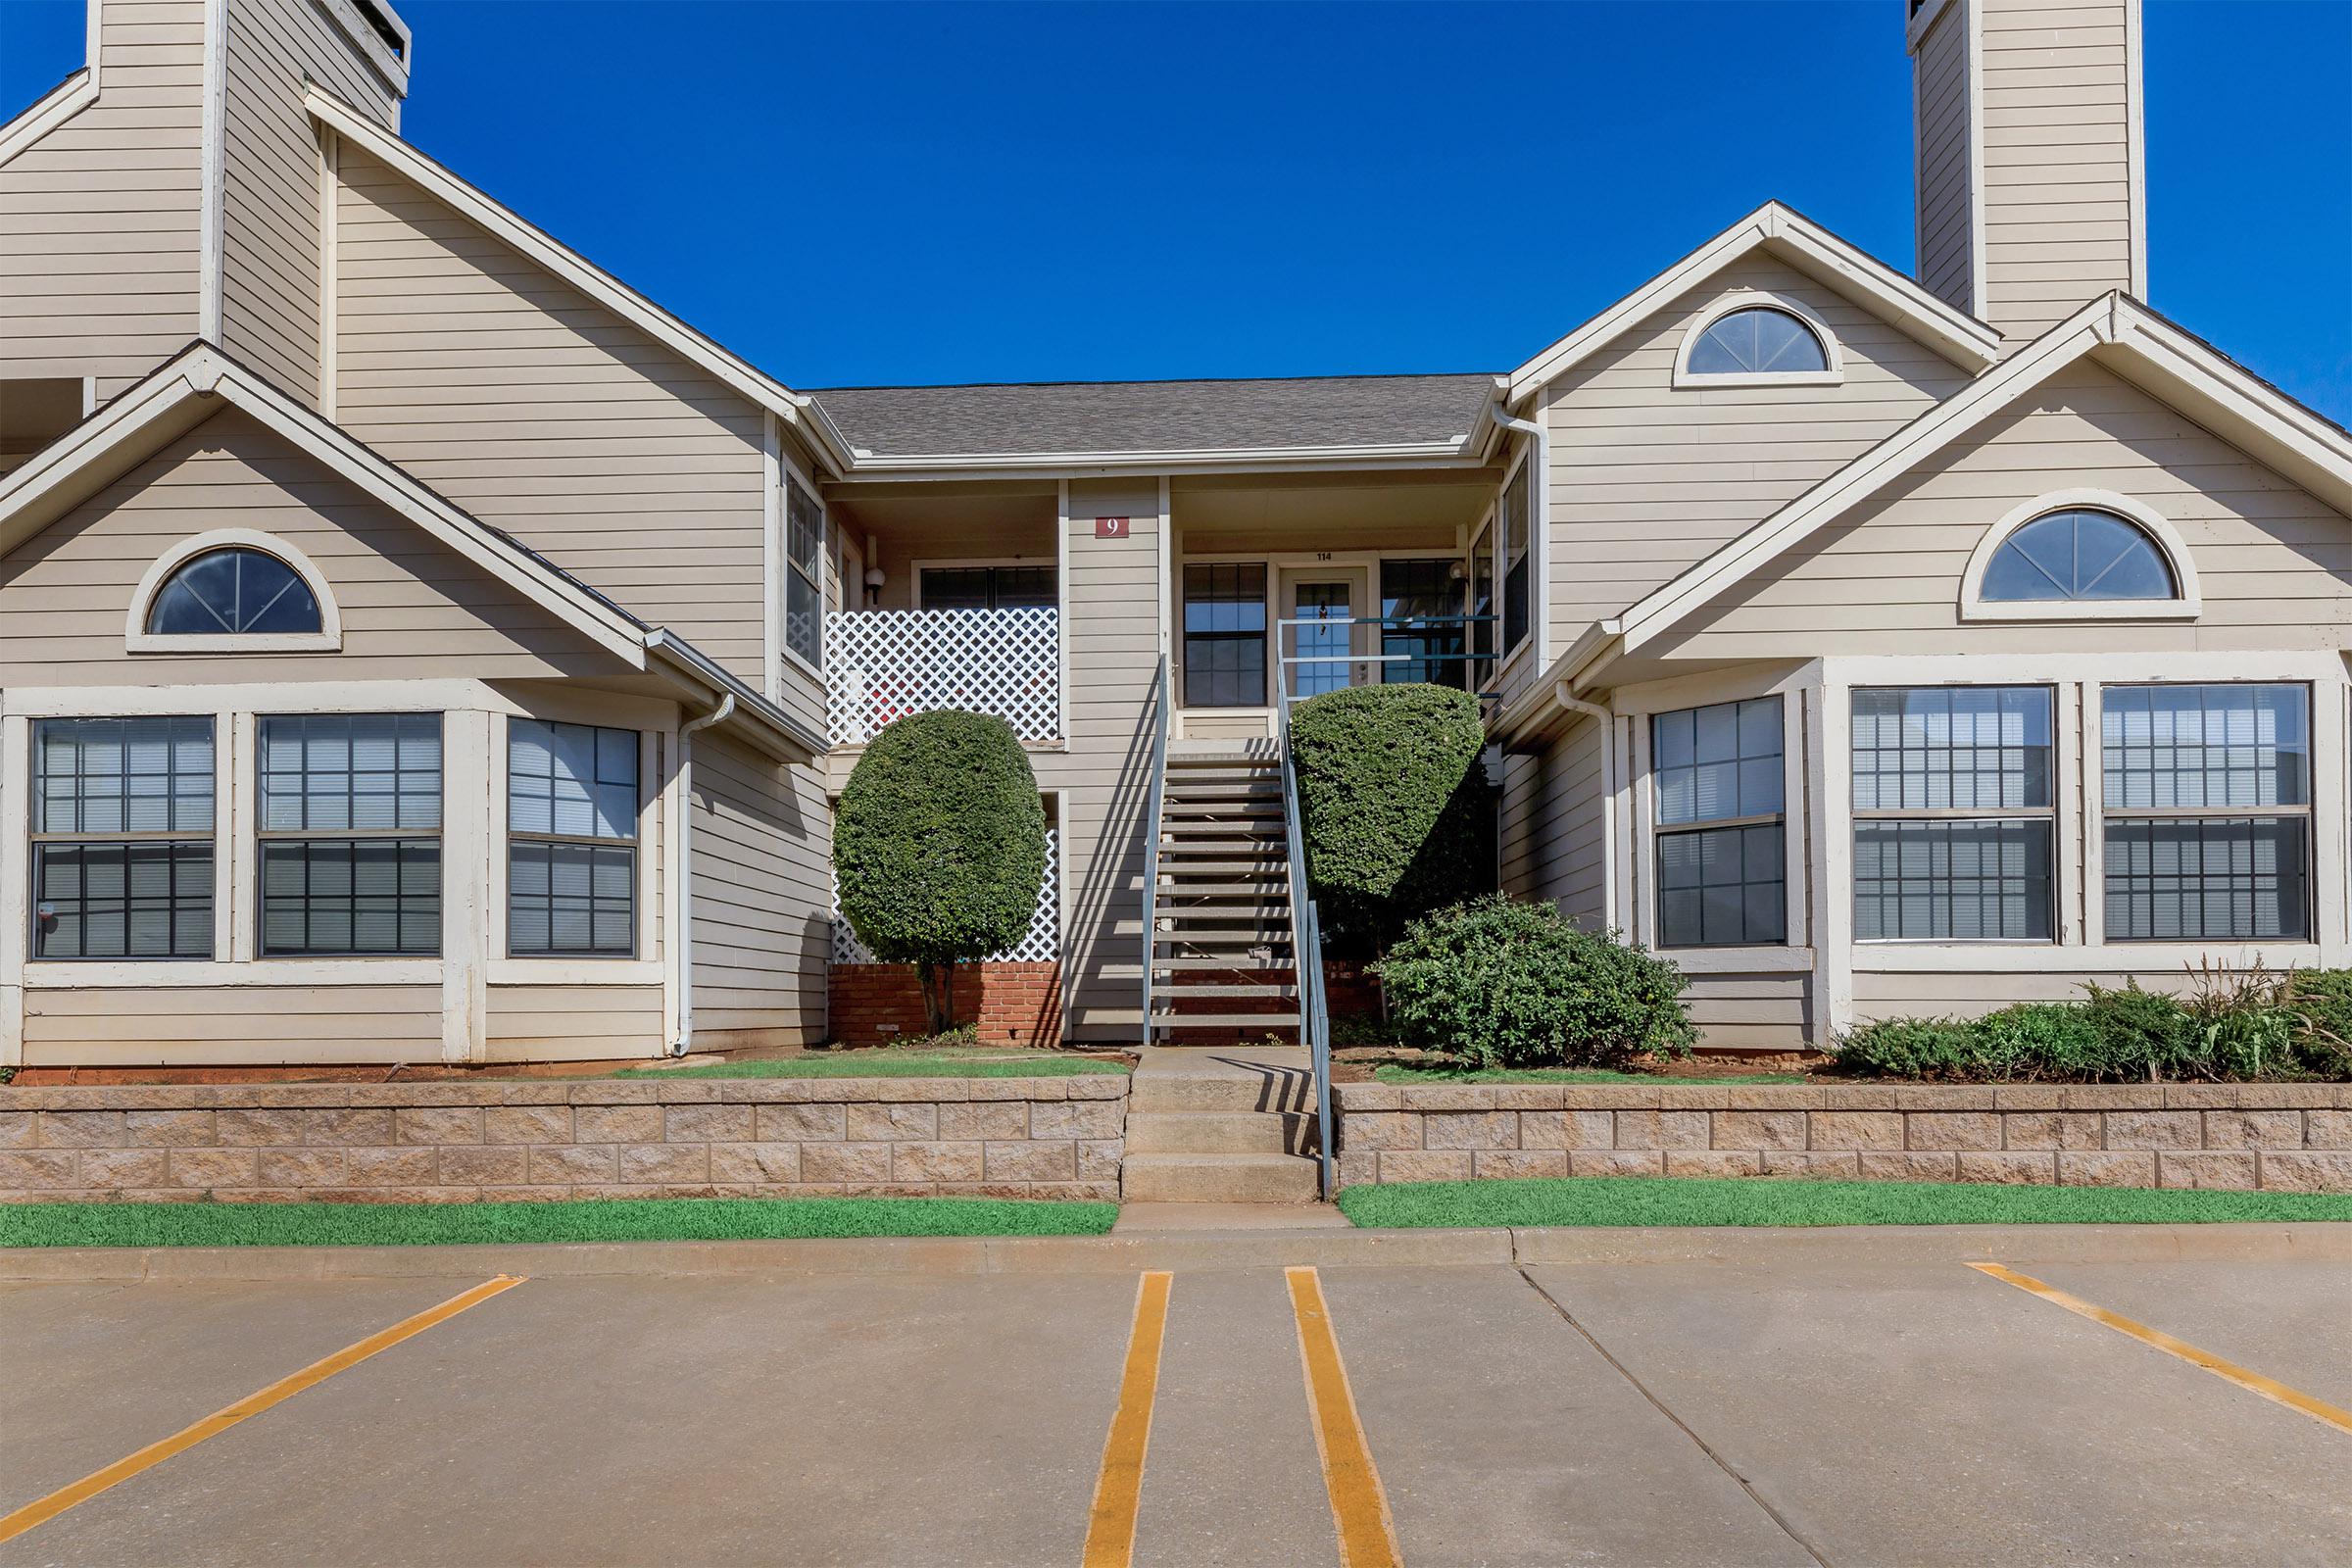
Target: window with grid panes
x=572, y=839
x=804, y=572
x=350, y=829
x=1225, y=634
x=1716, y=782
x=122, y=828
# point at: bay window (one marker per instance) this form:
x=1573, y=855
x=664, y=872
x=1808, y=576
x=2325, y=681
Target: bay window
x=2207, y=797
x=1716, y=781
x=1954, y=821
x=123, y=838
x=350, y=830
x=572, y=839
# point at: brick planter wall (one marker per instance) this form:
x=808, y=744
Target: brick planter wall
x=1008, y=1004
x=538, y=1139
x=2293, y=1138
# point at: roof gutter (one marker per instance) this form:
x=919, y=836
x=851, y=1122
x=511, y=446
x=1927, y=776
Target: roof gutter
x=683, y=936
x=779, y=733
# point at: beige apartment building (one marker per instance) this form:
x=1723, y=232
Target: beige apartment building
x=416, y=646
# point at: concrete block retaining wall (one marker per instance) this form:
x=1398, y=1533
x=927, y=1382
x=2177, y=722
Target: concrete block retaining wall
x=540, y=1140
x=2294, y=1138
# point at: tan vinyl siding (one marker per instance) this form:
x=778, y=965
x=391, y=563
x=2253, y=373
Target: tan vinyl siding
x=2275, y=563
x=1553, y=826
x=1899, y=993
x=99, y=220
x=1647, y=478
x=1113, y=620
x=543, y=414
x=1943, y=157
x=574, y=1023
x=410, y=608
x=270, y=252
x=1752, y=1011
x=2060, y=76
x=762, y=897
x=194, y=1026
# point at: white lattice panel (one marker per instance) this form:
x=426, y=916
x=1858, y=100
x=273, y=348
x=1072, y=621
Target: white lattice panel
x=1043, y=944
x=882, y=665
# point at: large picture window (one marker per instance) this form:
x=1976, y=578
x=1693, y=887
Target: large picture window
x=2207, y=795
x=804, y=572
x=350, y=834
x=1225, y=635
x=1953, y=815
x=123, y=838
x=572, y=839
x=1715, y=775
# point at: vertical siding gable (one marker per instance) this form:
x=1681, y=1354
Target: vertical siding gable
x=1943, y=159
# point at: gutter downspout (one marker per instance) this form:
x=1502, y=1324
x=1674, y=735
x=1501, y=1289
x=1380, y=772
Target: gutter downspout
x=684, y=935
x=1539, y=527
x=1606, y=717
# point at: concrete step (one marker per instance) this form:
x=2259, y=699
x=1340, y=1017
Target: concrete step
x=1248, y=1078
x=1218, y=1131
x=1217, y=1179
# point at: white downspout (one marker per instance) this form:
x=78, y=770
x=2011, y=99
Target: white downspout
x=683, y=925
x=1606, y=717
x=1538, y=530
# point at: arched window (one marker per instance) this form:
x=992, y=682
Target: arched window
x=2078, y=553
x=236, y=591
x=1758, y=340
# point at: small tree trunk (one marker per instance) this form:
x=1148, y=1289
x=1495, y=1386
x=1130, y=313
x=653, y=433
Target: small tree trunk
x=939, y=996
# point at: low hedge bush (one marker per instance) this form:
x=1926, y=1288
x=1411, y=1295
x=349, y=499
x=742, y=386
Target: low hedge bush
x=2251, y=1026
x=1496, y=983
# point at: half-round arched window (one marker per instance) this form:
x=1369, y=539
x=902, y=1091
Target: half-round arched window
x=1758, y=340
x=238, y=591
x=2078, y=554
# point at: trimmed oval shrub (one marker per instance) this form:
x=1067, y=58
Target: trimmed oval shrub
x=1497, y=983
x=938, y=844
x=1395, y=810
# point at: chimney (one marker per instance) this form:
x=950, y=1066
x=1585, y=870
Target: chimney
x=2028, y=156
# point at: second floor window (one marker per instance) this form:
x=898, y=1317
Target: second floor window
x=804, y=572
x=350, y=834
x=1225, y=635
x=1411, y=590
x=988, y=588
x=1715, y=773
x=1518, y=567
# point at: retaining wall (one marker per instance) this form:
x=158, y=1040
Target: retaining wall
x=2294, y=1138
x=1005, y=1003
x=542, y=1140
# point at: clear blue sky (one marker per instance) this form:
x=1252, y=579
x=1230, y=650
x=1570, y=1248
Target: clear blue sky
x=888, y=193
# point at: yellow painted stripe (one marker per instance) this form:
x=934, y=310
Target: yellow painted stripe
x=1359, y=1507
x=1120, y=1488
x=81, y=1492
x=2252, y=1382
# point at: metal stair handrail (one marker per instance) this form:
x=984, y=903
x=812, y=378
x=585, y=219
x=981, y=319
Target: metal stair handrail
x=1306, y=947
x=1151, y=834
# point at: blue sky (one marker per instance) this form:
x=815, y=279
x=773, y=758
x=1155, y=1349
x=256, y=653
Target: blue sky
x=887, y=193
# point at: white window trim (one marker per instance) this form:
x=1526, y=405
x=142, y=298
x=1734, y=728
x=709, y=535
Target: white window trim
x=1758, y=299
x=138, y=640
x=2188, y=605
x=789, y=472
x=649, y=964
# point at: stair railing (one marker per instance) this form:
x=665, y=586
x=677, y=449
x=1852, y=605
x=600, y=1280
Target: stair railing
x=1307, y=941
x=1151, y=834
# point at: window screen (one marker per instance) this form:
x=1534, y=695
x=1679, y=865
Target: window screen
x=1225, y=635
x=350, y=834
x=571, y=827
x=2207, y=792
x=1953, y=821
x=1715, y=779
x=123, y=838
x=804, y=572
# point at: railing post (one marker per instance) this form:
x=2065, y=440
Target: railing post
x=1152, y=833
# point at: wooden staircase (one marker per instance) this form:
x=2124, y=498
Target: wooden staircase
x=1222, y=964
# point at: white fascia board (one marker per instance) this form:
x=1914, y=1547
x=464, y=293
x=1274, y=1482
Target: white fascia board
x=1459, y=453
x=504, y=224
x=49, y=111
x=1804, y=244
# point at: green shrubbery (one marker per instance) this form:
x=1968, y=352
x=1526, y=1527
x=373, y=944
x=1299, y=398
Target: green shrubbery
x=939, y=846
x=1501, y=984
x=1394, y=809
x=2229, y=1027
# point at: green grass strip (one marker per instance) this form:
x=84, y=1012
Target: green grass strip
x=625, y=1219
x=1626, y=1200
x=879, y=1066
x=1437, y=1073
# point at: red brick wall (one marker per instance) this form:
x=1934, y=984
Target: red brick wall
x=1009, y=1004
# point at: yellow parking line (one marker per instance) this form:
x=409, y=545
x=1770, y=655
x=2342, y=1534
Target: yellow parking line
x=81, y=1492
x=1359, y=1507
x=1120, y=1488
x=2252, y=1382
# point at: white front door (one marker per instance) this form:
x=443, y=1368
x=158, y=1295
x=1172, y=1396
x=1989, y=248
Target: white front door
x=1329, y=599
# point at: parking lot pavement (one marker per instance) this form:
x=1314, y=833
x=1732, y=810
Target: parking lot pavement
x=1836, y=1411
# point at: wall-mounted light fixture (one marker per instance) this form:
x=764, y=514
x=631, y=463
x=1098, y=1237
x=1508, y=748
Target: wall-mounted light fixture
x=874, y=579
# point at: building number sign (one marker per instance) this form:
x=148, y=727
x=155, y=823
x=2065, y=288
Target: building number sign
x=1112, y=528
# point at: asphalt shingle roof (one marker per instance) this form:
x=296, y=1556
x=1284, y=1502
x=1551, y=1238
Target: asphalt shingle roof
x=1338, y=411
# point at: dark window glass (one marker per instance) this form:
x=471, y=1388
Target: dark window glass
x=1953, y=880
x=123, y=838
x=2078, y=555
x=1723, y=886
x=351, y=897
x=804, y=572
x=1225, y=635
x=1411, y=590
x=1758, y=340
x=350, y=816
x=234, y=590
x=989, y=588
x=565, y=784
x=1517, y=570
x=1482, y=640
x=1719, y=886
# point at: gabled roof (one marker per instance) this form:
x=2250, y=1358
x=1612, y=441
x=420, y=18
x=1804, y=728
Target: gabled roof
x=1787, y=236
x=2115, y=331
x=1392, y=414
x=510, y=228
x=200, y=380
